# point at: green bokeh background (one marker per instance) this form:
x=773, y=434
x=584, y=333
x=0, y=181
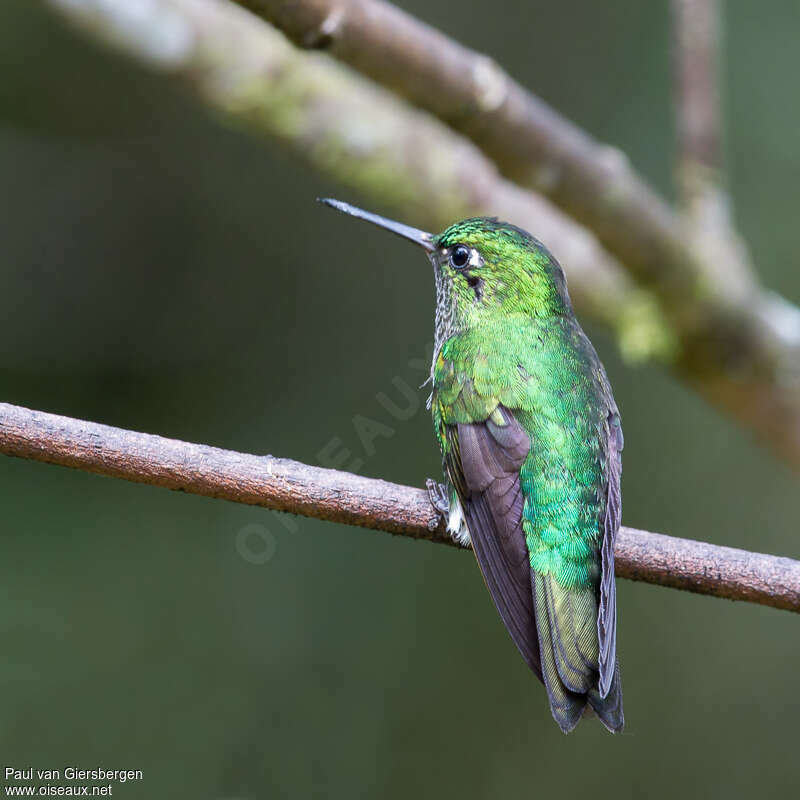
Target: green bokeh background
x=162, y=273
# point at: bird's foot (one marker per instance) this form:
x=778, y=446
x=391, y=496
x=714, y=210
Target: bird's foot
x=439, y=497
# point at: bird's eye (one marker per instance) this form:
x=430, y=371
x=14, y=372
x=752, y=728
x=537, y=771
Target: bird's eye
x=459, y=256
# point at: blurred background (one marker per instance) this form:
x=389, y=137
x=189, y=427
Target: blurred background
x=162, y=273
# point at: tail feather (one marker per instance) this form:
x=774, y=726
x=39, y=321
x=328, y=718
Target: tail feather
x=566, y=623
x=609, y=708
x=572, y=615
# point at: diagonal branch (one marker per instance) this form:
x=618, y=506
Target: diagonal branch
x=740, y=345
x=531, y=143
x=285, y=485
x=363, y=137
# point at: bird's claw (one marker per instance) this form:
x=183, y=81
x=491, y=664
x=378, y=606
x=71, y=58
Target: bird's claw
x=439, y=497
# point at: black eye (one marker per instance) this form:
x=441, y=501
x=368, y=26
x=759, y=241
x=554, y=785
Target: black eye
x=459, y=256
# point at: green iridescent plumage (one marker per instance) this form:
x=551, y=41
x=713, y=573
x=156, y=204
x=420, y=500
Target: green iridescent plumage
x=553, y=395
x=530, y=439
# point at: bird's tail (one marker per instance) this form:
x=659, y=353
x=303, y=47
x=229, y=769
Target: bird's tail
x=609, y=708
x=566, y=621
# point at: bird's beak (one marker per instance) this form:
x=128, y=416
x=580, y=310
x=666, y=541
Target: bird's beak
x=419, y=237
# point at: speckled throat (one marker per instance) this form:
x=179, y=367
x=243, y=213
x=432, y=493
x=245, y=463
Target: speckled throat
x=445, y=325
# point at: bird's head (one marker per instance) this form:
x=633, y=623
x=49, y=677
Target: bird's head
x=484, y=267
x=487, y=265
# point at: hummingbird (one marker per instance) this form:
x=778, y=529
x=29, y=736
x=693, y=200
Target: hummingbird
x=531, y=444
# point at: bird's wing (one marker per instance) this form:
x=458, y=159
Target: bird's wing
x=483, y=461
x=612, y=438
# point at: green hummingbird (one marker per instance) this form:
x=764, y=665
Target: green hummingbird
x=531, y=449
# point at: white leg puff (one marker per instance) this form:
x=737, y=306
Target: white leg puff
x=456, y=525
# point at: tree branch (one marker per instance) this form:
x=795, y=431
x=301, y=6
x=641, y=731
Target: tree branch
x=284, y=485
x=740, y=345
x=362, y=136
x=528, y=140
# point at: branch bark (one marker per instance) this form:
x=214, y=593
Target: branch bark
x=284, y=485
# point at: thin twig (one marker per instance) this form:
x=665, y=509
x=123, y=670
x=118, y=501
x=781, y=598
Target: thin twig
x=700, y=175
x=696, y=34
x=699, y=169
x=285, y=485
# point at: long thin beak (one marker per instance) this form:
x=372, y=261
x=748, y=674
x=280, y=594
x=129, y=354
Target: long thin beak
x=406, y=231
